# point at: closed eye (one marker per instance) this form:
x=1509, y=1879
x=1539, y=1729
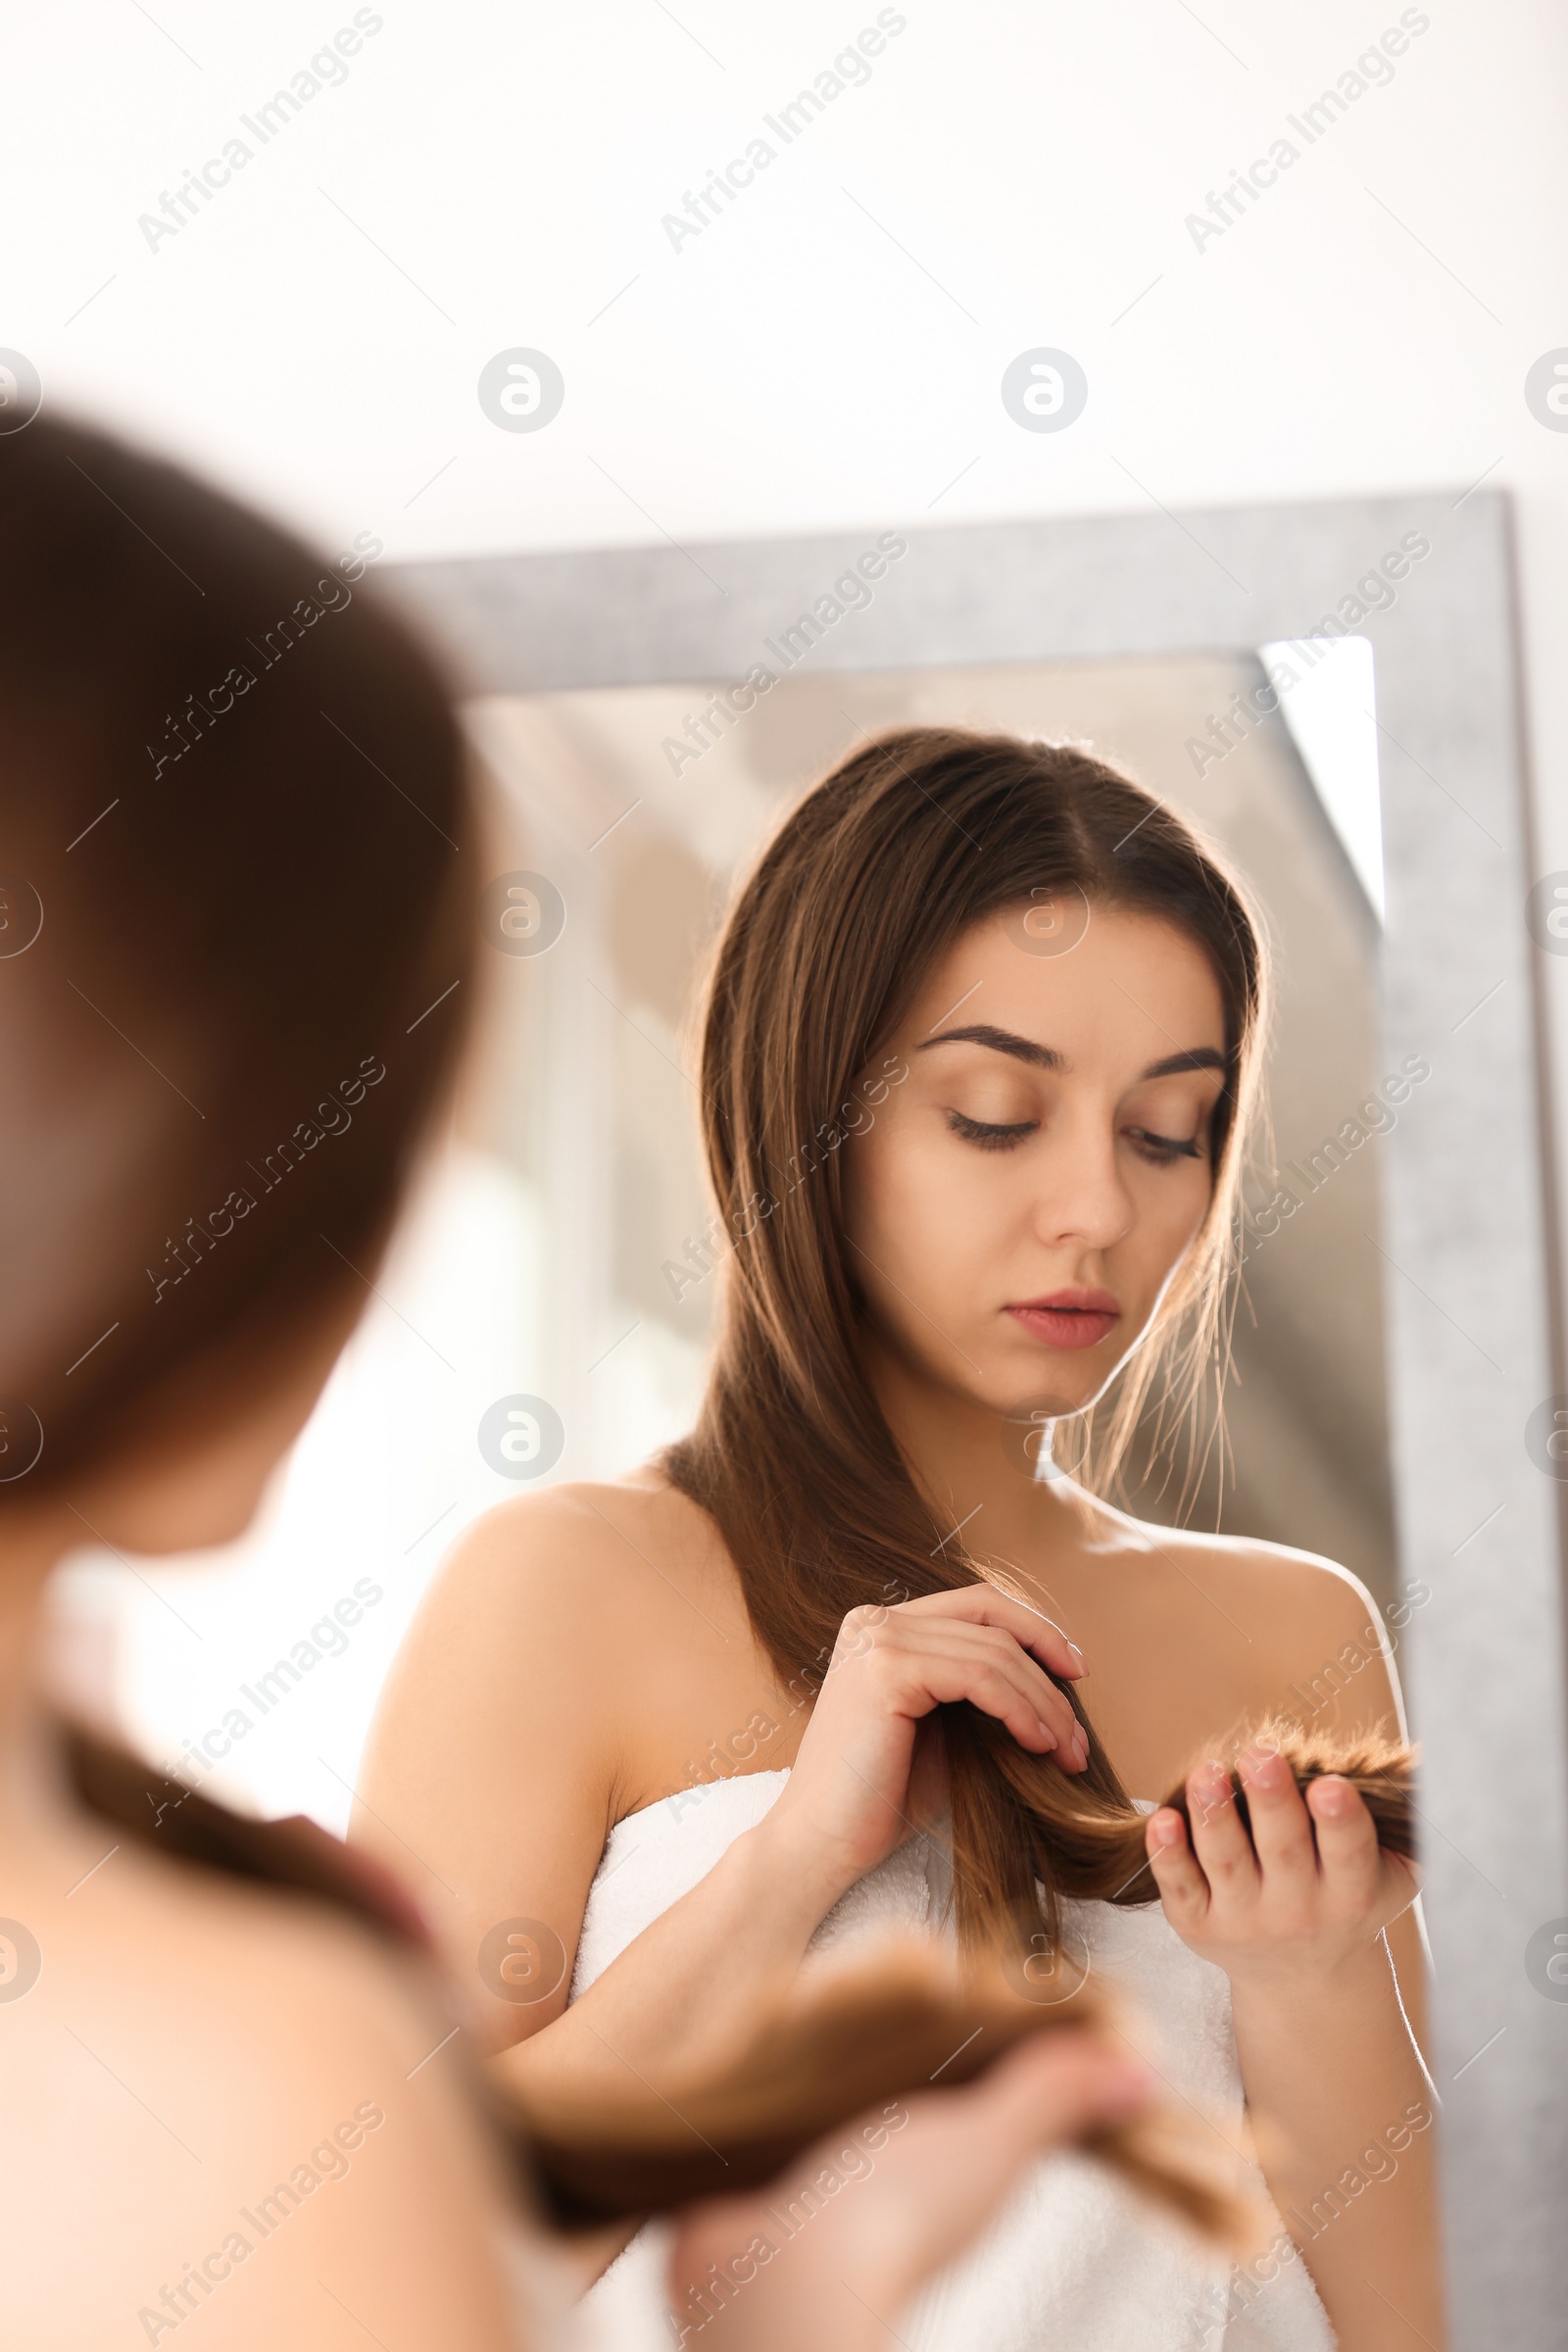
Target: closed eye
x=1164, y=1149
x=987, y=1136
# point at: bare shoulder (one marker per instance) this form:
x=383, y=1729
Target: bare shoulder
x=214, y=2067
x=614, y=1553
x=572, y=1594
x=288, y=1991
x=1318, y=1646
x=1315, y=1594
x=566, y=1646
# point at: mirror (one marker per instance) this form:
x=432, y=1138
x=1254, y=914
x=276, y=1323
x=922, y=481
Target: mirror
x=1392, y=1349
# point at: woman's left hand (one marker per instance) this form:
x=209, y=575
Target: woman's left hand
x=1309, y=1889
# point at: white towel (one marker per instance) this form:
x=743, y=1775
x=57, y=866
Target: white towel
x=1076, y=2262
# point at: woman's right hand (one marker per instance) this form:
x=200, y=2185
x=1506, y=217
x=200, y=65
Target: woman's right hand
x=787, y=2264
x=849, y=1799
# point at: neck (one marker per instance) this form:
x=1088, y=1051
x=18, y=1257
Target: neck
x=957, y=1453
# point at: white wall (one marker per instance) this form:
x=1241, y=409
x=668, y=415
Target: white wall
x=829, y=350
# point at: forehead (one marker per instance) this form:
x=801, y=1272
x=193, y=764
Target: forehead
x=1131, y=983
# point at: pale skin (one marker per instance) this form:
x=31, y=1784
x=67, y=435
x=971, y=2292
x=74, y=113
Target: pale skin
x=585, y=1652
x=190, y=2041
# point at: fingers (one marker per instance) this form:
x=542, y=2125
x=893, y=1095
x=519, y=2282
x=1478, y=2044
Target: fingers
x=1045, y=2091
x=1282, y=1827
x=1044, y=2094
x=1031, y=1627
x=1182, y=1887
x=951, y=2156
x=1325, y=1844
x=935, y=1661
x=1347, y=1844
x=1003, y=1637
x=918, y=2180
x=1219, y=1838
x=1311, y=1864
x=997, y=1664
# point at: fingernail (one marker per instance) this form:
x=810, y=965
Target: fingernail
x=1077, y=1653
x=1166, y=1829
x=1335, y=1795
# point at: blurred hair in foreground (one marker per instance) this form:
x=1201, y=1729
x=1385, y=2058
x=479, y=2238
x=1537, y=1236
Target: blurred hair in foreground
x=237, y=864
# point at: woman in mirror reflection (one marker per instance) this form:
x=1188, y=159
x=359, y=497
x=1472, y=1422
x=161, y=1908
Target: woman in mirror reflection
x=874, y=1645
x=234, y=966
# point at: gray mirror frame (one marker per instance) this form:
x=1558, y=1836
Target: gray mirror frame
x=1471, y=1285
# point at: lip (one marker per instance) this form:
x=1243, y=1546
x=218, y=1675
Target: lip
x=1069, y=1318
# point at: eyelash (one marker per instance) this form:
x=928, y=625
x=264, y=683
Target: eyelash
x=990, y=1138
x=1161, y=1150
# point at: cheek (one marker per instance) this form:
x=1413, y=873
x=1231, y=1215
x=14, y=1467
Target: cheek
x=1171, y=1206
x=883, y=1206
x=908, y=1206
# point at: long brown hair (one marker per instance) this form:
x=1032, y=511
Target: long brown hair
x=235, y=895
x=873, y=875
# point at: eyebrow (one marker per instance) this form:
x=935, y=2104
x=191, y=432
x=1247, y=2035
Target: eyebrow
x=1047, y=1058
x=1198, y=1058
x=1001, y=1041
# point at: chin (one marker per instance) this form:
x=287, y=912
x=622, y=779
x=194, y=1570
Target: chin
x=1054, y=1386
x=1043, y=1404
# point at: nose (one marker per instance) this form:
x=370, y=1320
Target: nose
x=1084, y=1199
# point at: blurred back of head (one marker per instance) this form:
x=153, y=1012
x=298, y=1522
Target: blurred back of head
x=235, y=884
